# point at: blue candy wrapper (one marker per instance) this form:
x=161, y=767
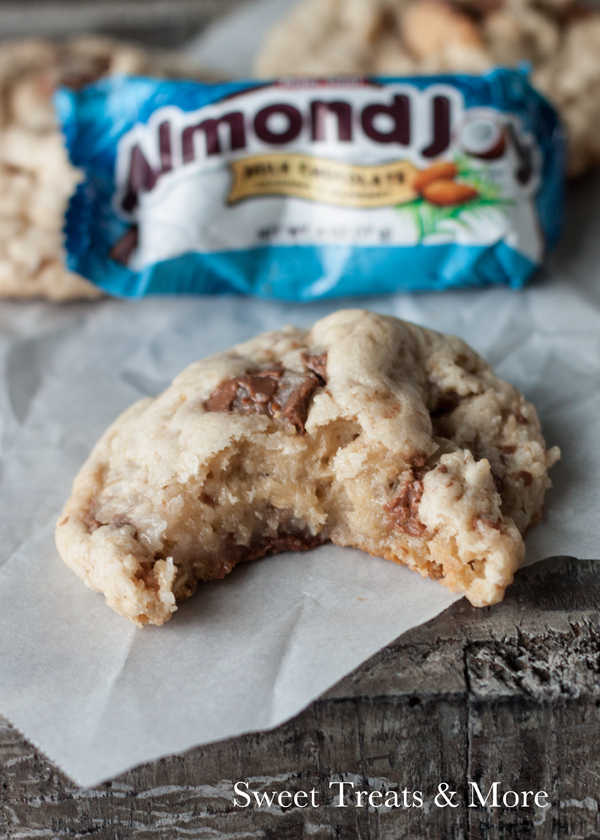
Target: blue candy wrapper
x=308, y=189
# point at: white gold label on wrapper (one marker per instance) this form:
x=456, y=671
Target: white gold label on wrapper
x=351, y=163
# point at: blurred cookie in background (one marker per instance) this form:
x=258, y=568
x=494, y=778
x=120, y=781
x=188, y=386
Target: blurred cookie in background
x=559, y=38
x=36, y=178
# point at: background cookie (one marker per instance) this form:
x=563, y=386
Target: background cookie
x=36, y=177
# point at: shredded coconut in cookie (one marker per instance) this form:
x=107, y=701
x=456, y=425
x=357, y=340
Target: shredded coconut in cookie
x=365, y=431
x=560, y=38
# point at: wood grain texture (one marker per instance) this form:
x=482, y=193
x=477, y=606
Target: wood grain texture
x=509, y=693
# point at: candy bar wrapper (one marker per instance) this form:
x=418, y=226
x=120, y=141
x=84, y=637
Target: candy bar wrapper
x=308, y=189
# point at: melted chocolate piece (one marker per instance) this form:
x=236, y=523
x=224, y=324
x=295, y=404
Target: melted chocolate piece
x=222, y=399
x=279, y=542
x=404, y=510
x=298, y=402
x=316, y=364
x=122, y=250
x=252, y=393
x=256, y=391
x=268, y=392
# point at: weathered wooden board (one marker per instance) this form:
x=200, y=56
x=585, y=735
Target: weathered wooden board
x=509, y=694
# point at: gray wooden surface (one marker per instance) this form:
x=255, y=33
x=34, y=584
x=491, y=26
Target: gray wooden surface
x=509, y=693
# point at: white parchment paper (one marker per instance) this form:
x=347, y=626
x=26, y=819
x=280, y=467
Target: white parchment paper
x=98, y=695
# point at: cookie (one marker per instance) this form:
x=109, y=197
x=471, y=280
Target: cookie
x=364, y=431
x=37, y=179
x=560, y=38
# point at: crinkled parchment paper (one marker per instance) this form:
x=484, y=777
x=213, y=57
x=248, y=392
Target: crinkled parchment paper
x=98, y=695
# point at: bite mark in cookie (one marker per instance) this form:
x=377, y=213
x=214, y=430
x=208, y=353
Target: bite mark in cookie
x=365, y=431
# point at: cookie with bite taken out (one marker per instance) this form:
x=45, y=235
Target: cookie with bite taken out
x=363, y=431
